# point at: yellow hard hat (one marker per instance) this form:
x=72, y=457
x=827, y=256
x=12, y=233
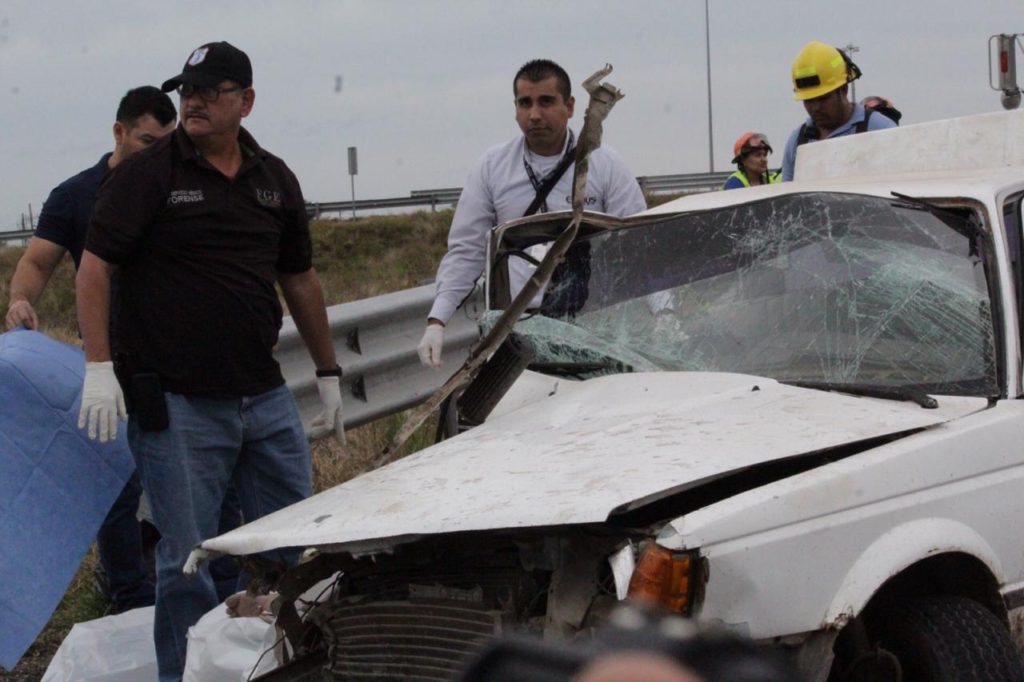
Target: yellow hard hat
x=819, y=69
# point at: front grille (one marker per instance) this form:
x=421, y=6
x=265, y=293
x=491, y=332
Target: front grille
x=419, y=613
x=403, y=640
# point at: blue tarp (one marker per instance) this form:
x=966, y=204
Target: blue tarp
x=56, y=486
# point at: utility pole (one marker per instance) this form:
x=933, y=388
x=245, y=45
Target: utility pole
x=707, y=47
x=850, y=49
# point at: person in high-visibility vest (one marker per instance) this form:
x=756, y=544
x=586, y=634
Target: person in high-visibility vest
x=751, y=158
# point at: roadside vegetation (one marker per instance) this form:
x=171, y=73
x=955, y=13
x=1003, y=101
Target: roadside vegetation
x=355, y=259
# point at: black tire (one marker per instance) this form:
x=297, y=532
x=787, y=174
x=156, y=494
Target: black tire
x=950, y=639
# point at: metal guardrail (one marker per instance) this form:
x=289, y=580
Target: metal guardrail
x=315, y=210
x=375, y=340
x=15, y=236
x=685, y=183
x=417, y=197
x=448, y=194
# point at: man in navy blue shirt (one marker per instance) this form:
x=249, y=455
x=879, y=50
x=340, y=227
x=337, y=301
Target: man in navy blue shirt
x=144, y=115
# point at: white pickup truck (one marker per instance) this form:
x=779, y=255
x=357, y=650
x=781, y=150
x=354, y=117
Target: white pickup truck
x=793, y=410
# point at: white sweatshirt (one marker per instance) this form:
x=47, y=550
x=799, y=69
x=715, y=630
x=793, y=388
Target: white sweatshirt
x=498, y=190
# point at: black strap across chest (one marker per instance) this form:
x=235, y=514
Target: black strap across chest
x=543, y=186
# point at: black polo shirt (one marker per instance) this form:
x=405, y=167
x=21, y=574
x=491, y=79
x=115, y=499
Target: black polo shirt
x=199, y=256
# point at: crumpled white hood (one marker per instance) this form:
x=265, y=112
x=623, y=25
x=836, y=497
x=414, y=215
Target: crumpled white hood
x=577, y=455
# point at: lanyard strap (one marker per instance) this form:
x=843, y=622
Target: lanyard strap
x=543, y=186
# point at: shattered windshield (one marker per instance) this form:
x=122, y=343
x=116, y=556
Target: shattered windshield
x=807, y=287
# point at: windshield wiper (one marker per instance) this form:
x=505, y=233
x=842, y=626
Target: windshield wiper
x=918, y=202
x=951, y=217
x=871, y=391
x=579, y=368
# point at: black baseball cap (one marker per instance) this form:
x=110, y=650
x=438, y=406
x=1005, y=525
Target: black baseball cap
x=212, y=63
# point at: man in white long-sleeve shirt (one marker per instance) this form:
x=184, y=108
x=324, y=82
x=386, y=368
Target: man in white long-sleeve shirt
x=504, y=184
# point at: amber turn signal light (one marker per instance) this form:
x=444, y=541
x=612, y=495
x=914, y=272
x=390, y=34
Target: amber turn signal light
x=665, y=578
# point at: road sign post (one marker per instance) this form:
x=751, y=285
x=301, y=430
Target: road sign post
x=353, y=170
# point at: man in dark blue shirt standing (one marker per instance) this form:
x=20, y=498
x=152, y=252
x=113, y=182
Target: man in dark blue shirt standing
x=144, y=115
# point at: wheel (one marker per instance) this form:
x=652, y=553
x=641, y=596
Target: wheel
x=945, y=638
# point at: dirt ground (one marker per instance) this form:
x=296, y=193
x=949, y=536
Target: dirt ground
x=29, y=669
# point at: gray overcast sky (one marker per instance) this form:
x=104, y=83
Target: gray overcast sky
x=427, y=85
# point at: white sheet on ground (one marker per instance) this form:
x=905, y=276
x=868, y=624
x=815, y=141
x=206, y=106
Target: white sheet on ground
x=221, y=648
x=120, y=649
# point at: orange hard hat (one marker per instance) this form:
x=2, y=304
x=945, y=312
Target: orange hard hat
x=748, y=142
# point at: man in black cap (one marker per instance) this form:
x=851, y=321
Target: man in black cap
x=200, y=227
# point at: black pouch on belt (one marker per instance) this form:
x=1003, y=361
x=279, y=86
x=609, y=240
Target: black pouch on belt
x=147, y=402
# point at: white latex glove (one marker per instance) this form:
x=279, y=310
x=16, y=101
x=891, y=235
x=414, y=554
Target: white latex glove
x=102, y=401
x=330, y=419
x=430, y=345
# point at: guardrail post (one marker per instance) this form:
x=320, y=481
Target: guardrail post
x=352, y=341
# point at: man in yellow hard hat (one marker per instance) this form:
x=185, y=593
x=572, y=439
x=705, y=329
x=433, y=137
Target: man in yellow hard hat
x=821, y=77
x=750, y=154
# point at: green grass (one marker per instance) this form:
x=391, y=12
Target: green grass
x=56, y=308
x=369, y=256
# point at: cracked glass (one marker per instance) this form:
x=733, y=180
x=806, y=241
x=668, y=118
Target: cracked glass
x=816, y=287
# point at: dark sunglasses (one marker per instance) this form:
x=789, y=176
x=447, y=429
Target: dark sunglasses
x=208, y=95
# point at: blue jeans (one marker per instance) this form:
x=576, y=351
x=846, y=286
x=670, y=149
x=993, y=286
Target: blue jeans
x=121, y=553
x=255, y=442
x=224, y=570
